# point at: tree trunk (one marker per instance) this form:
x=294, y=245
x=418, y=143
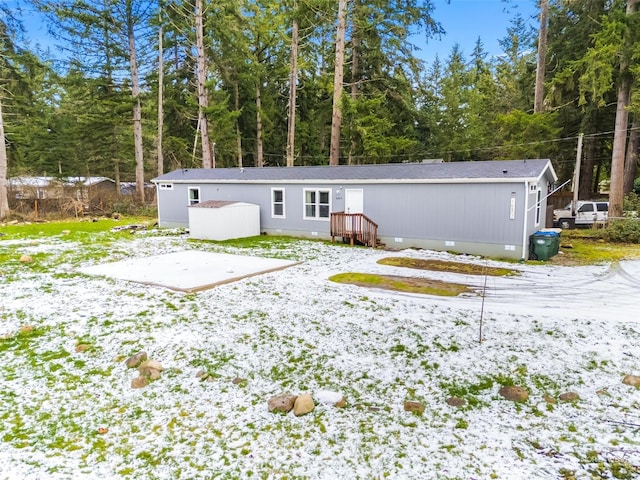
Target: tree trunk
x=631, y=160
x=355, y=76
x=236, y=92
x=259, y=152
x=137, y=108
x=596, y=176
x=336, y=117
x=203, y=98
x=538, y=102
x=585, y=191
x=116, y=175
x=616, y=193
x=293, y=85
x=160, y=96
x=4, y=198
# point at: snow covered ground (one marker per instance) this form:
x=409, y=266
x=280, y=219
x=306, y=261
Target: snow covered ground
x=69, y=412
x=189, y=270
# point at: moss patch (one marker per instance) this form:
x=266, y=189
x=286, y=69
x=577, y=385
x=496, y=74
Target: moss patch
x=442, y=266
x=403, y=284
x=589, y=247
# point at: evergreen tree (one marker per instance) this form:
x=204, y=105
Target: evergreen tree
x=572, y=27
x=106, y=39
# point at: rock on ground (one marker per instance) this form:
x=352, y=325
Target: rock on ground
x=304, y=404
x=514, y=393
x=281, y=403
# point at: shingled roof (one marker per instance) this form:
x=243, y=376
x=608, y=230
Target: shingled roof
x=484, y=170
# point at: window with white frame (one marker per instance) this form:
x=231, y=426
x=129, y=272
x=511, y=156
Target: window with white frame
x=194, y=195
x=538, y=207
x=277, y=203
x=317, y=203
x=166, y=186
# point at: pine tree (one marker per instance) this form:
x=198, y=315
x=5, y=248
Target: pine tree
x=105, y=39
x=610, y=57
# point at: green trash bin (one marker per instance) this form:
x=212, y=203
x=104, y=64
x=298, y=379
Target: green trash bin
x=544, y=245
x=556, y=244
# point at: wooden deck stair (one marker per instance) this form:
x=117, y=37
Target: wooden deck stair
x=355, y=228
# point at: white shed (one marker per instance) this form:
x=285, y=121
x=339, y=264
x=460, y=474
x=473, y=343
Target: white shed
x=223, y=220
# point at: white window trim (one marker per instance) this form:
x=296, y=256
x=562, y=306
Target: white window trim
x=273, y=202
x=538, y=208
x=166, y=186
x=304, y=204
x=189, y=190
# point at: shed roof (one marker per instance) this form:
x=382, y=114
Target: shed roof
x=219, y=204
x=491, y=170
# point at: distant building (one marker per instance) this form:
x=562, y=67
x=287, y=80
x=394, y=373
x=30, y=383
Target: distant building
x=41, y=188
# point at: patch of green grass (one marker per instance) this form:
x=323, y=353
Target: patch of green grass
x=588, y=247
x=402, y=284
x=54, y=355
x=469, y=391
x=21, y=340
x=545, y=384
x=65, y=236
x=604, y=464
x=212, y=361
x=74, y=227
x=446, y=266
x=452, y=347
x=461, y=424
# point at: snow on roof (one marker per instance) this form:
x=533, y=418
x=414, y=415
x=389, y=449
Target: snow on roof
x=219, y=204
x=87, y=181
x=484, y=170
x=37, y=182
x=44, y=182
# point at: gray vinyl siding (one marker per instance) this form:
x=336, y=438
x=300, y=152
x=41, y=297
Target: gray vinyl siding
x=172, y=205
x=465, y=212
x=465, y=215
x=441, y=212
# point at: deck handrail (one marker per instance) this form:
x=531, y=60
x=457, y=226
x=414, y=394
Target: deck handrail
x=355, y=227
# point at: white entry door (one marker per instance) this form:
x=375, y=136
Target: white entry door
x=353, y=200
x=353, y=203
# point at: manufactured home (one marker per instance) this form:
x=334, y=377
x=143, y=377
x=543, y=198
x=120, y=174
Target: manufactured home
x=485, y=208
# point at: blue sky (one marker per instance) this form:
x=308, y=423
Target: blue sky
x=463, y=20
x=466, y=20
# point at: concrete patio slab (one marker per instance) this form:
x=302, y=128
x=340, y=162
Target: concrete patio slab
x=188, y=271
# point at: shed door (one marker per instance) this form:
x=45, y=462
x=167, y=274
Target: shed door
x=353, y=200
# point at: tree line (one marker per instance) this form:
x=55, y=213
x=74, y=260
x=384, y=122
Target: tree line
x=139, y=87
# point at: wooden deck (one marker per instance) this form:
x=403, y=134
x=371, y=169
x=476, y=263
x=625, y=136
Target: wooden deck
x=355, y=228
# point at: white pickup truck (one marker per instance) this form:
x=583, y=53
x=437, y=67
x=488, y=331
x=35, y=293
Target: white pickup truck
x=587, y=214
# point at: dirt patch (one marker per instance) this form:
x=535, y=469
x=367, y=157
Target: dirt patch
x=451, y=267
x=403, y=284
